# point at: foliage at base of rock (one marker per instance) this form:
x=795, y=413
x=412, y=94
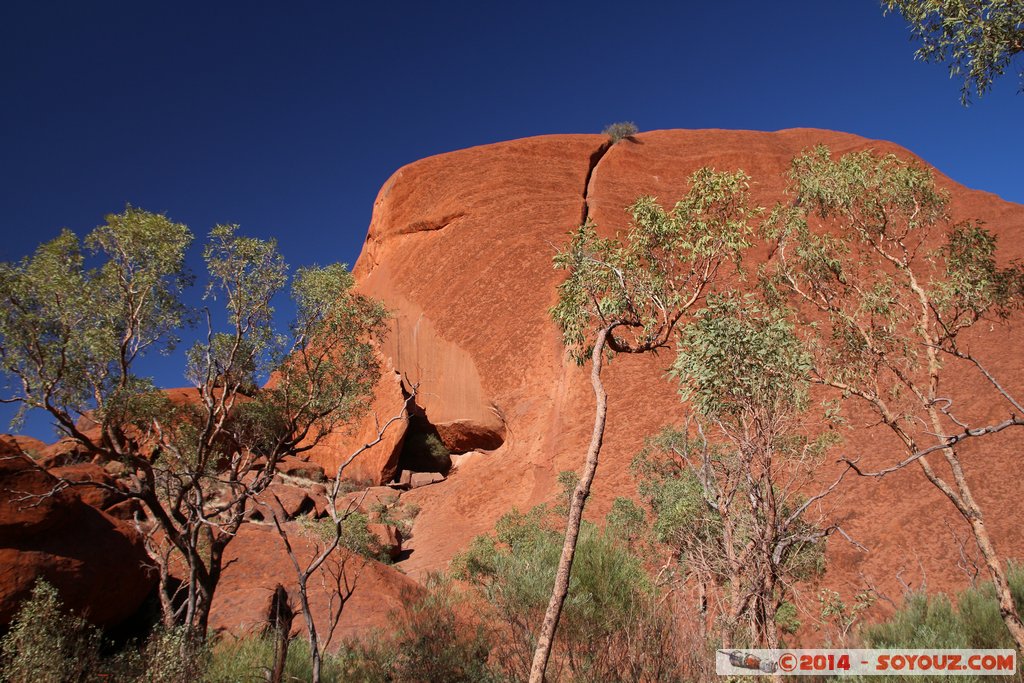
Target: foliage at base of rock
x=612, y=626
x=47, y=644
x=431, y=641
x=934, y=621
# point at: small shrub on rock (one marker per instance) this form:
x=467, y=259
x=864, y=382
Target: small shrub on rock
x=621, y=131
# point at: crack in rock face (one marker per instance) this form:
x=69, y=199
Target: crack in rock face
x=595, y=159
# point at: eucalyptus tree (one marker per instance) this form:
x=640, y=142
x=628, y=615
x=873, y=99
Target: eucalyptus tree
x=979, y=38
x=333, y=540
x=74, y=323
x=895, y=296
x=625, y=295
x=728, y=488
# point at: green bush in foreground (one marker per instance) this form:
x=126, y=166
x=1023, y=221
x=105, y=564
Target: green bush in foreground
x=47, y=644
x=935, y=622
x=613, y=628
x=428, y=642
x=50, y=645
x=249, y=659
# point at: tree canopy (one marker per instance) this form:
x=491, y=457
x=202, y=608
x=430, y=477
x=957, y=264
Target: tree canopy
x=978, y=38
x=76, y=317
x=890, y=292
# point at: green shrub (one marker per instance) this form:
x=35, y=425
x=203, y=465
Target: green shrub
x=612, y=627
x=429, y=642
x=626, y=520
x=620, y=131
x=250, y=659
x=356, y=536
x=933, y=621
x=45, y=643
x=170, y=656
x=400, y=515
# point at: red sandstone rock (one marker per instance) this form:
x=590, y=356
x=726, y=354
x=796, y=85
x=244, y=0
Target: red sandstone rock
x=303, y=469
x=419, y=479
x=29, y=504
x=125, y=510
x=31, y=447
x=389, y=538
x=255, y=563
x=366, y=500
x=287, y=501
x=493, y=375
x=94, y=560
x=99, y=497
x=377, y=464
x=63, y=452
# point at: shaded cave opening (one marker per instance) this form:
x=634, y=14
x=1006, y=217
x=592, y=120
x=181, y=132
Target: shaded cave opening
x=437, y=448
x=423, y=450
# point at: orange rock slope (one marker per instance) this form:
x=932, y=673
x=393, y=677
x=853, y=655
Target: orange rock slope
x=459, y=248
x=51, y=533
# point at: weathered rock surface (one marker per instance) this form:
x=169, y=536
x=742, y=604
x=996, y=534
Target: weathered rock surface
x=256, y=562
x=460, y=247
x=287, y=502
x=62, y=452
x=389, y=537
x=303, y=469
x=94, y=560
x=419, y=479
x=378, y=463
x=31, y=447
x=99, y=497
x=368, y=499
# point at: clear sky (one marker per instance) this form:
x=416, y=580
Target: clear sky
x=286, y=117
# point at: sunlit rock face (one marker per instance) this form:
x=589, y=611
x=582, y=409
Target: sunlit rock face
x=459, y=248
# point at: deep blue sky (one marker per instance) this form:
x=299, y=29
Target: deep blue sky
x=287, y=117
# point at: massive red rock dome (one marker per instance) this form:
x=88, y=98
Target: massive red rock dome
x=459, y=248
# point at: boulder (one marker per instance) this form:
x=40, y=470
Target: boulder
x=287, y=501
x=33, y=448
x=378, y=463
x=292, y=466
x=367, y=499
x=389, y=537
x=419, y=479
x=126, y=510
x=63, y=452
x=95, y=561
x=405, y=478
x=100, y=497
x=255, y=562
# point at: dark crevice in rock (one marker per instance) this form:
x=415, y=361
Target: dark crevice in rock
x=422, y=449
x=595, y=159
x=428, y=447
